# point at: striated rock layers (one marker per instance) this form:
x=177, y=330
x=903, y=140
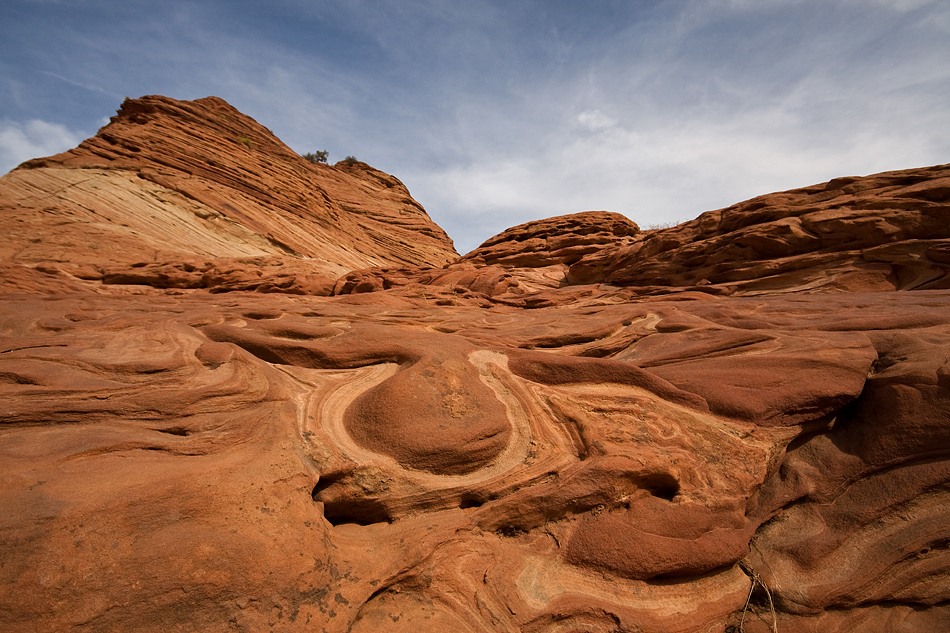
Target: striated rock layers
x=180, y=194
x=889, y=231
x=738, y=424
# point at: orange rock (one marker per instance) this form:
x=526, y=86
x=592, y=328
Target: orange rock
x=170, y=180
x=734, y=424
x=832, y=236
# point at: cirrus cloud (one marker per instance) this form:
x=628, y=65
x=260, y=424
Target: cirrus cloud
x=21, y=141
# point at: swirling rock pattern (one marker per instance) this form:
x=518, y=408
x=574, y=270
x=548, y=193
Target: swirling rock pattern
x=589, y=493
x=494, y=445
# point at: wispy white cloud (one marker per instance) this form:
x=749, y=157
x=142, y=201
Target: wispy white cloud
x=91, y=88
x=901, y=5
x=705, y=109
x=21, y=141
x=595, y=120
x=495, y=113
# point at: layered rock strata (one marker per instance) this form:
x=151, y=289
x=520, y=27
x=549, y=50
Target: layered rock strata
x=197, y=184
x=888, y=231
x=349, y=464
x=580, y=426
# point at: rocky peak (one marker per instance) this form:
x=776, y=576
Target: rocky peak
x=168, y=181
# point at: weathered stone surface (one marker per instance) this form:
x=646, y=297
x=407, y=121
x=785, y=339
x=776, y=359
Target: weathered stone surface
x=882, y=232
x=146, y=446
x=563, y=239
x=489, y=444
x=168, y=180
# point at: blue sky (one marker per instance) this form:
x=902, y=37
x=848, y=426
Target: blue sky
x=495, y=113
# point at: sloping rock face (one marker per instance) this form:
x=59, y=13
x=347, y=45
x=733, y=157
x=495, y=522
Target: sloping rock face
x=525, y=258
x=882, y=232
x=564, y=239
x=429, y=450
x=197, y=184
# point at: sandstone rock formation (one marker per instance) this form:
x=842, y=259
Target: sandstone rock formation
x=197, y=195
x=883, y=232
x=738, y=424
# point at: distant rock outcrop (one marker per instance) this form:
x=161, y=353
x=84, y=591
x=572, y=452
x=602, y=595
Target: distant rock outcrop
x=564, y=239
x=738, y=424
x=522, y=259
x=883, y=232
x=198, y=184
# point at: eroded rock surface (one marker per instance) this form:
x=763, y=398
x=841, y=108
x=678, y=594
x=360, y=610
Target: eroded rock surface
x=883, y=232
x=170, y=181
x=492, y=444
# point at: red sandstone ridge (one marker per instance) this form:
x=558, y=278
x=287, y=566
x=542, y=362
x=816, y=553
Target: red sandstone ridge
x=524, y=258
x=888, y=231
x=564, y=239
x=737, y=424
x=171, y=187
